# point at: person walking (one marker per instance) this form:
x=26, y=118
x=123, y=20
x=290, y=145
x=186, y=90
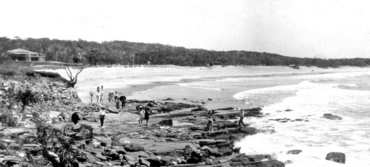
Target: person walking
x=241, y=117
x=102, y=116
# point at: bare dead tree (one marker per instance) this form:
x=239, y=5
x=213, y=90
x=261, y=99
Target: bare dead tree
x=73, y=78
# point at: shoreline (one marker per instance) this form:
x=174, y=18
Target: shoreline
x=131, y=88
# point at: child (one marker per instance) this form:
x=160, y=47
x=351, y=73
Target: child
x=141, y=111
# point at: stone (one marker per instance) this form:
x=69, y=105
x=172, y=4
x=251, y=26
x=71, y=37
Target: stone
x=119, y=149
x=211, y=151
x=248, y=130
x=192, y=154
x=332, y=116
x=225, y=151
x=123, y=142
x=130, y=158
x=199, y=108
x=104, y=141
x=166, y=122
x=167, y=160
x=295, y=152
x=154, y=160
x=143, y=161
x=133, y=147
x=272, y=163
x=336, y=157
x=90, y=118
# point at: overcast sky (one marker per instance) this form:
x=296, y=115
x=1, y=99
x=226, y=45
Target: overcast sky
x=299, y=28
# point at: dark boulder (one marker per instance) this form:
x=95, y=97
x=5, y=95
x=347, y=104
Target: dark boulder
x=154, y=160
x=199, y=108
x=336, y=157
x=332, y=116
x=166, y=122
x=225, y=151
x=295, y=152
x=133, y=147
x=248, y=130
x=192, y=154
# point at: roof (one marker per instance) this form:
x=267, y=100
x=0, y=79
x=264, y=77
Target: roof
x=20, y=51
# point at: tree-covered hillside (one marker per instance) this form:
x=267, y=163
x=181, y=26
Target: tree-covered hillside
x=123, y=52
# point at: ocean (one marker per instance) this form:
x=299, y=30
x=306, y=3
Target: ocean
x=314, y=95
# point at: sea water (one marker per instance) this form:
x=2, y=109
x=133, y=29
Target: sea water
x=309, y=100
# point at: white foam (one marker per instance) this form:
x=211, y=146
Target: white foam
x=317, y=137
x=198, y=86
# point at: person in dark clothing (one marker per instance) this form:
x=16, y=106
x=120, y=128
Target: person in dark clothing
x=146, y=115
x=117, y=104
x=102, y=116
x=123, y=101
x=116, y=96
x=75, y=118
x=211, y=120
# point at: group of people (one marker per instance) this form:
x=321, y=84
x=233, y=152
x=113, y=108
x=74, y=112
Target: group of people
x=113, y=97
x=211, y=119
x=99, y=94
x=144, y=113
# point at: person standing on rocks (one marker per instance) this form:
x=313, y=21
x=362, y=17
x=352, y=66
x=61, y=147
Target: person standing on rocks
x=91, y=96
x=98, y=95
x=102, y=116
x=141, y=113
x=123, y=101
x=117, y=104
x=101, y=94
x=241, y=115
x=210, y=120
x=116, y=96
x=146, y=115
x=110, y=96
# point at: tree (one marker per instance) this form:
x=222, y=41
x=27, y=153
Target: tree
x=73, y=78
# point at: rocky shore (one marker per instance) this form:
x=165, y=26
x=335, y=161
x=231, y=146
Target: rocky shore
x=176, y=134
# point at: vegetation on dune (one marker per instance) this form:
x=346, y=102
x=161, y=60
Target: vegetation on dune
x=127, y=53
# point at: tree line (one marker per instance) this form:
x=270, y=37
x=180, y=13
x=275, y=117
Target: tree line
x=129, y=53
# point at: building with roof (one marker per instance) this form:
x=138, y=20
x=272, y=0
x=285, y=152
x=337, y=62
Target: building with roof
x=24, y=55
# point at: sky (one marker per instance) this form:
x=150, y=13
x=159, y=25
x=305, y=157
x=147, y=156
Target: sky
x=298, y=28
